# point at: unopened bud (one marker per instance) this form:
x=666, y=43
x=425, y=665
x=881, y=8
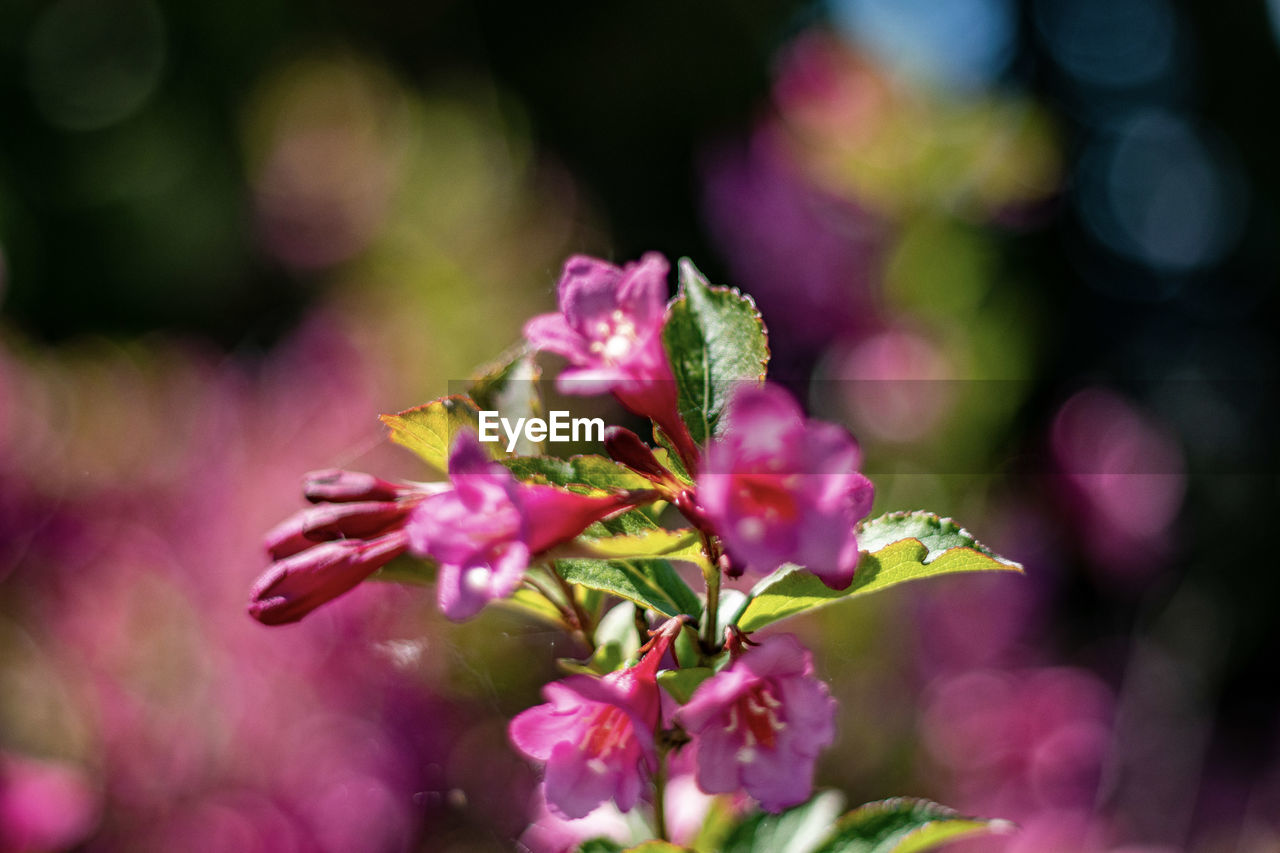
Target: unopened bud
x=338, y=486
x=626, y=447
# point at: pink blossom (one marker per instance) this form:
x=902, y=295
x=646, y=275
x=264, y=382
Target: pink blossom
x=596, y=735
x=782, y=489
x=760, y=723
x=609, y=327
x=487, y=528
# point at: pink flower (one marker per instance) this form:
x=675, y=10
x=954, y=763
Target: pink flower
x=760, y=723
x=327, y=550
x=781, y=489
x=596, y=735
x=610, y=329
x=486, y=529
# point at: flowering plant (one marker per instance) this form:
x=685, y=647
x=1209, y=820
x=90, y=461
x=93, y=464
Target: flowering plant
x=678, y=691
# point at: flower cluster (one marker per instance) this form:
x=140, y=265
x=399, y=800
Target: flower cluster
x=764, y=490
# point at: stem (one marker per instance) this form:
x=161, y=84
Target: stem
x=585, y=624
x=660, y=796
x=570, y=618
x=712, y=577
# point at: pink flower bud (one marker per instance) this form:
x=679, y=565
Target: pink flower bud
x=760, y=723
x=782, y=489
x=596, y=735
x=338, y=486
x=625, y=446
x=298, y=584
x=357, y=520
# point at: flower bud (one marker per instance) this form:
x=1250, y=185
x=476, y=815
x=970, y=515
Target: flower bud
x=298, y=584
x=338, y=486
x=626, y=447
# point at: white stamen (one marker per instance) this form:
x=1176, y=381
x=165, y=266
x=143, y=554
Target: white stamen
x=746, y=755
x=476, y=579
x=596, y=766
x=751, y=529
x=617, y=346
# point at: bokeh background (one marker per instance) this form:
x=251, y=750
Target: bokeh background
x=1027, y=251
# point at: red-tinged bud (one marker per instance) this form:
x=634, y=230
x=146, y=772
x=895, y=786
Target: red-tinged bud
x=298, y=584
x=626, y=447
x=338, y=486
x=360, y=520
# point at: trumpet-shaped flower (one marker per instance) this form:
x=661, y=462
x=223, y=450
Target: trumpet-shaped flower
x=760, y=723
x=596, y=735
x=609, y=327
x=782, y=489
x=484, y=531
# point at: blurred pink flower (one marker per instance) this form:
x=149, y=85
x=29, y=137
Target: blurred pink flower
x=484, y=531
x=782, y=489
x=760, y=723
x=1124, y=477
x=44, y=805
x=610, y=329
x=596, y=735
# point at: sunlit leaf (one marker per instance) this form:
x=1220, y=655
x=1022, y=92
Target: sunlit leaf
x=715, y=339
x=903, y=546
x=429, y=430
x=904, y=825
x=680, y=544
x=797, y=830
x=591, y=472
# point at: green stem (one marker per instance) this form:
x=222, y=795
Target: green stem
x=711, y=576
x=584, y=623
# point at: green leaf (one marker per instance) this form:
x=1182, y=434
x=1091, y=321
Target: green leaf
x=590, y=472
x=904, y=546
x=532, y=603
x=407, y=569
x=683, y=544
x=715, y=338
x=600, y=845
x=797, y=830
x=428, y=430
x=904, y=825
x=681, y=683
x=510, y=386
x=649, y=583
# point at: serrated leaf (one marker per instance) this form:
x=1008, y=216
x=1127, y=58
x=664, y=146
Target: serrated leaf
x=797, y=830
x=588, y=471
x=510, y=386
x=908, y=546
x=429, y=430
x=715, y=339
x=905, y=825
x=681, y=683
x=649, y=583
